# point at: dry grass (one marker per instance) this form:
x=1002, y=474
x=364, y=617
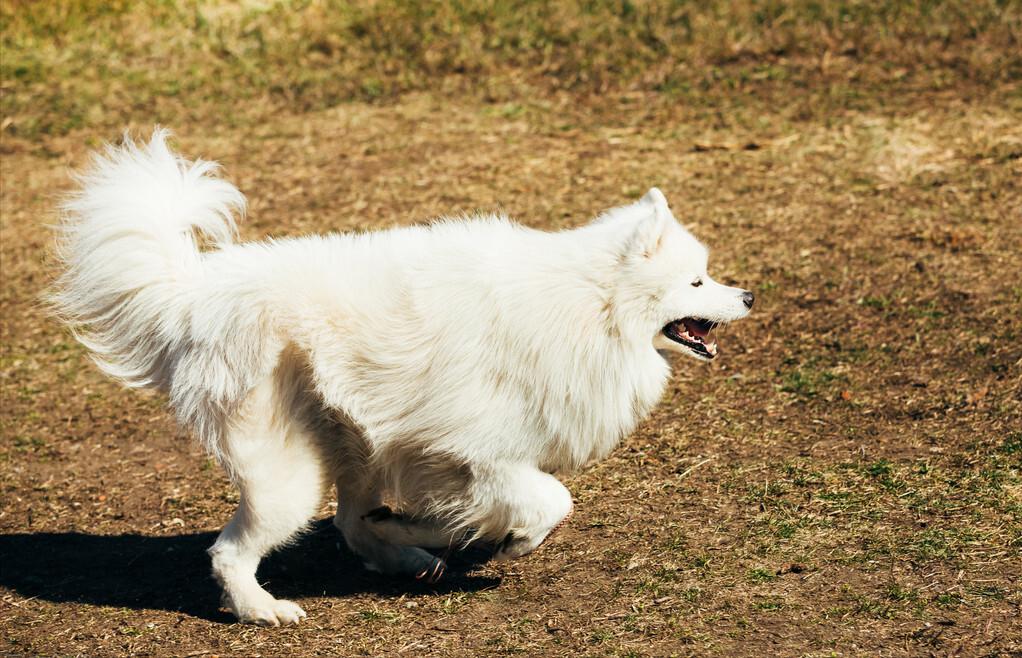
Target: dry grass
x=847, y=480
x=70, y=65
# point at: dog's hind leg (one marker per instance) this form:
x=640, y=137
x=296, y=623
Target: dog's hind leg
x=358, y=511
x=281, y=472
x=397, y=528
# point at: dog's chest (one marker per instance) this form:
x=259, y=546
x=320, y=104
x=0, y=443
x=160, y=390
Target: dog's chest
x=593, y=421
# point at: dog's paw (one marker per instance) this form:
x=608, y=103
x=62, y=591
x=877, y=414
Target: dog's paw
x=514, y=546
x=275, y=612
x=408, y=561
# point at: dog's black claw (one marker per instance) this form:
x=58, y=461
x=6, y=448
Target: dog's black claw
x=432, y=573
x=438, y=572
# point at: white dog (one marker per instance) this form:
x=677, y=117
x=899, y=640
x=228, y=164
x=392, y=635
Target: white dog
x=441, y=371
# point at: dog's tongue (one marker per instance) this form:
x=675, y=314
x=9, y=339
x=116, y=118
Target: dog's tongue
x=696, y=328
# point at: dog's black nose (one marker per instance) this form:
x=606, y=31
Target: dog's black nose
x=748, y=298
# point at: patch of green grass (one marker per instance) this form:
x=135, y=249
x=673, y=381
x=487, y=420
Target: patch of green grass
x=1012, y=444
x=883, y=472
x=769, y=604
x=896, y=592
x=701, y=562
x=801, y=476
x=806, y=381
x=760, y=575
x=837, y=612
x=939, y=543
x=28, y=443
x=691, y=594
x=28, y=393
x=655, y=586
x=986, y=591
x=879, y=303
x=765, y=493
x=677, y=543
x=840, y=501
x=929, y=311
x=881, y=468
x=786, y=530
x=874, y=608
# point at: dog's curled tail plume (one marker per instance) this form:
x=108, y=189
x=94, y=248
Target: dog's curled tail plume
x=134, y=287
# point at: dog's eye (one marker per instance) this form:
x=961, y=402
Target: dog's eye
x=697, y=283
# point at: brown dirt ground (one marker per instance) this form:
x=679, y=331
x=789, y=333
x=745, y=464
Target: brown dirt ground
x=844, y=481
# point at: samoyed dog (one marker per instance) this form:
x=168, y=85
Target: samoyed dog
x=438, y=376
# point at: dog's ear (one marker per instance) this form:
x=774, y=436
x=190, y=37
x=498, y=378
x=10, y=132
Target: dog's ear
x=649, y=232
x=656, y=199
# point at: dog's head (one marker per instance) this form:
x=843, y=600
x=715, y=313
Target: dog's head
x=663, y=286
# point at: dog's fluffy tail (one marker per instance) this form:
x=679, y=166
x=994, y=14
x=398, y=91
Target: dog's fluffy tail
x=133, y=277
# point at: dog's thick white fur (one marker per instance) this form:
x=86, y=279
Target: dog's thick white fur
x=437, y=375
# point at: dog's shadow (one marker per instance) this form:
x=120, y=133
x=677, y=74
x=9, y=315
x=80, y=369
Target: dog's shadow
x=173, y=573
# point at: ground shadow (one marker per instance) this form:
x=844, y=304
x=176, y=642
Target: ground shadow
x=172, y=572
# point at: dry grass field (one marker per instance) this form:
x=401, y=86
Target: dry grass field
x=846, y=480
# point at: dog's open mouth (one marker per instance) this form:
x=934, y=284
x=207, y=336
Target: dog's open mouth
x=694, y=333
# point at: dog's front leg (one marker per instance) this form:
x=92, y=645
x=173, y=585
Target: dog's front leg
x=518, y=506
